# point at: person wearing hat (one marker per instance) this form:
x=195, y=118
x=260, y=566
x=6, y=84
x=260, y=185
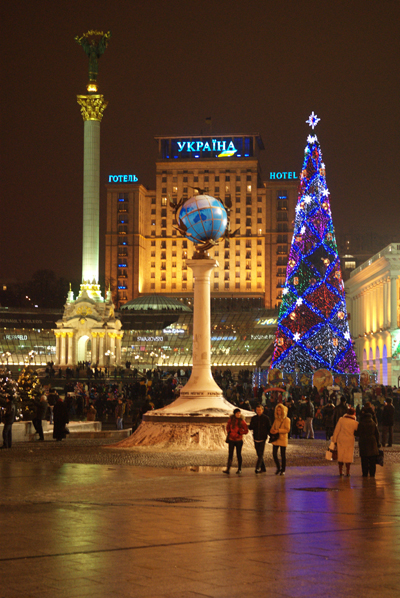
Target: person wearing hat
x=343, y=437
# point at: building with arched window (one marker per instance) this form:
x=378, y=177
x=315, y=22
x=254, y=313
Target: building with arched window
x=373, y=292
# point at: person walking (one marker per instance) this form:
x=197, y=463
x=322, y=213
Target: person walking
x=368, y=444
x=8, y=420
x=119, y=414
x=339, y=411
x=328, y=419
x=41, y=411
x=343, y=436
x=387, y=422
x=280, y=426
x=260, y=426
x=236, y=428
x=309, y=416
x=61, y=419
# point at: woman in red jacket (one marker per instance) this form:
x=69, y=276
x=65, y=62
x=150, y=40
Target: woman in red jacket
x=236, y=429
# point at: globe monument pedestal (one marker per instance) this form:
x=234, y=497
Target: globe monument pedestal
x=198, y=418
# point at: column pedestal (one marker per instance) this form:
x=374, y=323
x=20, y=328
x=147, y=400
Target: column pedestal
x=199, y=416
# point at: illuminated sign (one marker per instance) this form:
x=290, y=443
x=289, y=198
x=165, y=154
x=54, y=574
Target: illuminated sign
x=282, y=176
x=122, y=178
x=15, y=337
x=259, y=337
x=267, y=321
x=150, y=339
x=207, y=147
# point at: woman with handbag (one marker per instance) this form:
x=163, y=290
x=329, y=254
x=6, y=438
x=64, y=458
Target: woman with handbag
x=279, y=435
x=236, y=428
x=343, y=436
x=368, y=443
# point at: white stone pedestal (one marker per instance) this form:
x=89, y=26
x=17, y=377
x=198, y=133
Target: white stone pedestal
x=197, y=419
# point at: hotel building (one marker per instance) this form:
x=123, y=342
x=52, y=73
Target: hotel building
x=146, y=255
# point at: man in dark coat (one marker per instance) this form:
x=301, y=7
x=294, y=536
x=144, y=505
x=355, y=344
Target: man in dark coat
x=8, y=420
x=260, y=425
x=368, y=443
x=340, y=411
x=41, y=411
x=61, y=419
x=328, y=419
x=387, y=422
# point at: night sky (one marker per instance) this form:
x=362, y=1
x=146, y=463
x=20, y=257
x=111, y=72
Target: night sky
x=253, y=66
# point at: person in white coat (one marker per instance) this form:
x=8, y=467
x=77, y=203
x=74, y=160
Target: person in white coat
x=343, y=437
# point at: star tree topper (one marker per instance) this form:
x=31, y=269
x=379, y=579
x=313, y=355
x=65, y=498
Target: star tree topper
x=313, y=120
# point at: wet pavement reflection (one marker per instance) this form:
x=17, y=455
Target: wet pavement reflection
x=88, y=530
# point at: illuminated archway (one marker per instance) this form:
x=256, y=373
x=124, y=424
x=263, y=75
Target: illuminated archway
x=84, y=348
x=378, y=365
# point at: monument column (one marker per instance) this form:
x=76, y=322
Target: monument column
x=94, y=348
x=71, y=357
x=101, y=348
x=92, y=109
x=63, y=348
x=58, y=341
x=201, y=383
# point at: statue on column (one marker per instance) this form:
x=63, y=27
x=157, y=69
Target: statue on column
x=94, y=49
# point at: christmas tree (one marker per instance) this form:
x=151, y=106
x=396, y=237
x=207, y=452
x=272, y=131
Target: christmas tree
x=30, y=390
x=313, y=330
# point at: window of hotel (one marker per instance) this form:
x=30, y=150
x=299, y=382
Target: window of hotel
x=248, y=243
x=238, y=210
x=184, y=255
x=237, y=220
x=248, y=188
x=184, y=286
x=173, y=274
x=174, y=243
x=227, y=255
x=259, y=199
x=153, y=200
x=153, y=285
x=282, y=216
x=152, y=275
x=282, y=227
x=164, y=201
x=248, y=232
x=227, y=177
x=248, y=265
x=184, y=244
x=259, y=210
x=282, y=238
x=195, y=179
x=173, y=264
x=153, y=233
x=216, y=274
x=185, y=189
x=206, y=179
x=163, y=265
x=163, y=179
x=153, y=223
x=174, y=179
x=153, y=211
x=184, y=266
x=227, y=285
x=216, y=178
x=226, y=265
x=227, y=190
x=226, y=276
x=282, y=204
x=153, y=254
x=153, y=264
x=216, y=253
x=206, y=189
x=153, y=243
x=163, y=190
x=259, y=285
x=237, y=264
x=248, y=201
x=173, y=232
x=248, y=275
x=237, y=242
x=259, y=242
x=216, y=189
x=237, y=188
x=238, y=177
x=174, y=254
x=259, y=274
x=248, y=285
x=163, y=212
x=248, y=211
x=173, y=286
x=237, y=274
x=174, y=189
x=163, y=285
x=185, y=179
x=163, y=245
x=237, y=285
x=248, y=222
x=248, y=255
x=163, y=224
x=258, y=264
x=184, y=275
x=259, y=220
x=216, y=286
x=163, y=255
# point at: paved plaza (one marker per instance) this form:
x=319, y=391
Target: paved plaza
x=83, y=519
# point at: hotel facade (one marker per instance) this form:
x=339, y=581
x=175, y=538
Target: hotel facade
x=146, y=255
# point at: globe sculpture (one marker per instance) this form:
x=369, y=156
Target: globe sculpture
x=203, y=219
